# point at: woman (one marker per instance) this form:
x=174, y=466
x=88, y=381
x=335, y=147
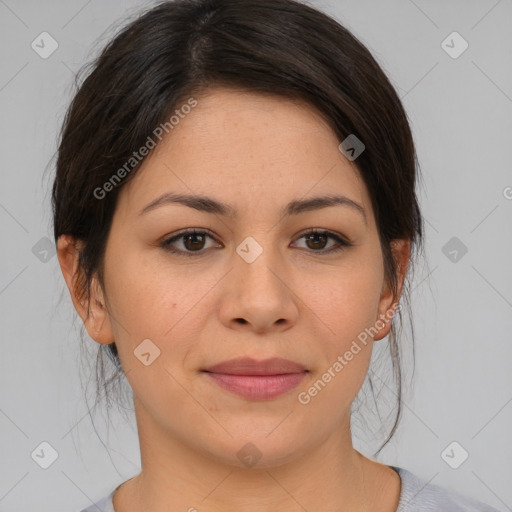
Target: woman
x=235, y=216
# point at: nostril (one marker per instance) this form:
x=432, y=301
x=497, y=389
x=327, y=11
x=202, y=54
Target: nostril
x=241, y=320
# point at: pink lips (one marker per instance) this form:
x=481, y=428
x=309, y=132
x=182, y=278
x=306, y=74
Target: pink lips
x=257, y=380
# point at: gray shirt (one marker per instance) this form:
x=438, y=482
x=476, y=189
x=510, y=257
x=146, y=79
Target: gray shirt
x=416, y=495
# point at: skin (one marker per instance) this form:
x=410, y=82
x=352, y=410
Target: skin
x=257, y=153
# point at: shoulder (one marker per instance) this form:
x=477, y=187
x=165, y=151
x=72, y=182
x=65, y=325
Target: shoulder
x=418, y=495
x=104, y=505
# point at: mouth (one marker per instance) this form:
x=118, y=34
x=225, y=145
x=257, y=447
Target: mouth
x=257, y=379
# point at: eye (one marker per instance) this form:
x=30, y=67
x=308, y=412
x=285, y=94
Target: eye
x=192, y=240
x=316, y=240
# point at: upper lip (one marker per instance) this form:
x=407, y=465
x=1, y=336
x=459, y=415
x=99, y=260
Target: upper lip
x=248, y=366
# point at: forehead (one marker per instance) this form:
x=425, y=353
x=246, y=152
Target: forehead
x=248, y=148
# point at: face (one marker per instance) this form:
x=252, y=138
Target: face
x=258, y=279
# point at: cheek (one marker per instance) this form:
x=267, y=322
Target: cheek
x=346, y=304
x=165, y=306
x=346, y=299
x=157, y=302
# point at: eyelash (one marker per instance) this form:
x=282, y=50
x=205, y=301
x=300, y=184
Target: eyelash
x=165, y=244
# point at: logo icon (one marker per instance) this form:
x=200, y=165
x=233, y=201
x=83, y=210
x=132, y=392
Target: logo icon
x=44, y=45
x=352, y=147
x=44, y=455
x=44, y=250
x=249, y=455
x=249, y=249
x=454, y=45
x=454, y=249
x=454, y=455
x=146, y=352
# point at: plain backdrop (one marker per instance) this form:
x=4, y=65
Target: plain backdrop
x=460, y=109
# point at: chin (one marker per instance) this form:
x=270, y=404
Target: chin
x=260, y=450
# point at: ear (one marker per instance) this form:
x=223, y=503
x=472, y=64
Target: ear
x=401, y=250
x=97, y=322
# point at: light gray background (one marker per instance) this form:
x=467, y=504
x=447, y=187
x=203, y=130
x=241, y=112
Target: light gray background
x=461, y=114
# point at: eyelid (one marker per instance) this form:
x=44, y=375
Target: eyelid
x=166, y=240
x=188, y=231
x=328, y=232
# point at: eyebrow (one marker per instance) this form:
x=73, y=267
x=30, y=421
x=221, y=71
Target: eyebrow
x=210, y=205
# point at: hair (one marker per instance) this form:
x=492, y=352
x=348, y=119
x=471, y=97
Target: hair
x=184, y=48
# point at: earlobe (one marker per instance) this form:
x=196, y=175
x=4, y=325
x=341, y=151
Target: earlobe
x=389, y=301
x=96, y=320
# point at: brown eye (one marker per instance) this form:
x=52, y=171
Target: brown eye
x=191, y=243
x=317, y=240
x=194, y=241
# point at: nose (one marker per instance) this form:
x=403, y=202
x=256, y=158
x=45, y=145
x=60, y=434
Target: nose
x=259, y=296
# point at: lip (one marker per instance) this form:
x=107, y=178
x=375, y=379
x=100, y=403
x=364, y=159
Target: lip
x=257, y=379
x=248, y=366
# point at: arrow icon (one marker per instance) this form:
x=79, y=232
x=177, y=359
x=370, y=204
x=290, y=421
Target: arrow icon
x=454, y=249
x=44, y=249
x=351, y=147
x=454, y=45
x=454, y=455
x=44, y=45
x=249, y=455
x=44, y=455
x=146, y=352
x=247, y=252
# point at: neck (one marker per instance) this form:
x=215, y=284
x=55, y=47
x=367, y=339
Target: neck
x=180, y=476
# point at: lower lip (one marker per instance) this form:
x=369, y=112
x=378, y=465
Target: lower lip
x=257, y=387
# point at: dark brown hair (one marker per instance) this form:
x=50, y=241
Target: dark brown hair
x=183, y=48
